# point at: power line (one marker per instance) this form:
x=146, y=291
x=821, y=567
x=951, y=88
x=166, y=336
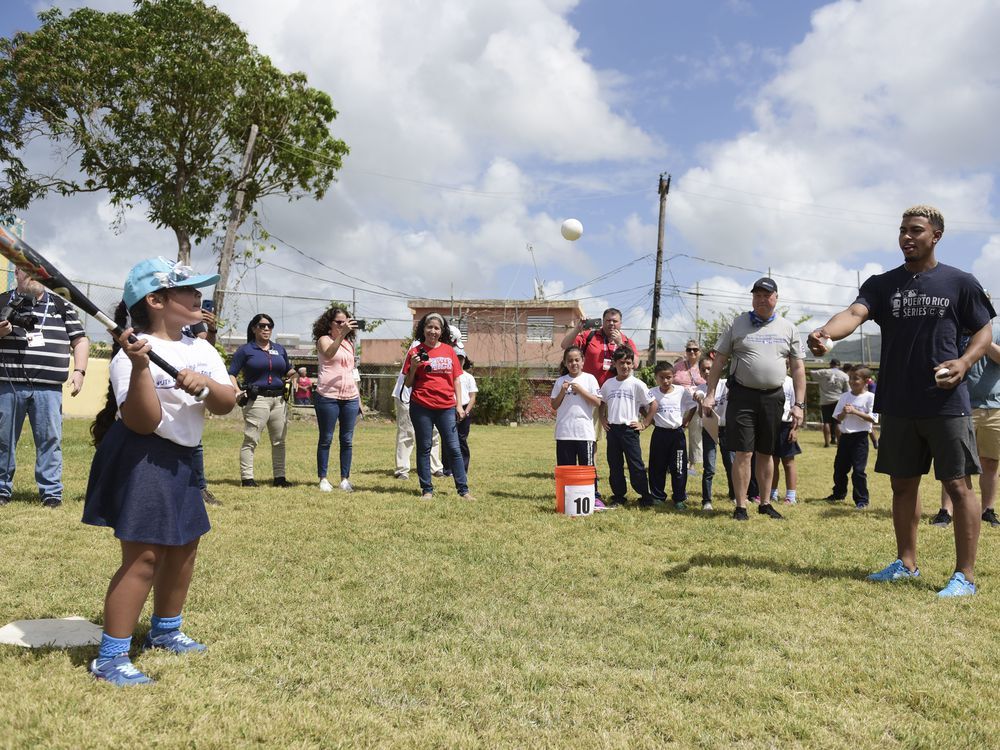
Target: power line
x=758, y=271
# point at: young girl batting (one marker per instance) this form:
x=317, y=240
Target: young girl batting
x=141, y=481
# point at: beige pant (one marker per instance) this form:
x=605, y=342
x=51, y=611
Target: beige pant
x=694, y=439
x=272, y=412
x=406, y=440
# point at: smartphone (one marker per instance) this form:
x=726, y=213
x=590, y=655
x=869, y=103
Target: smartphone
x=592, y=323
x=361, y=324
x=208, y=304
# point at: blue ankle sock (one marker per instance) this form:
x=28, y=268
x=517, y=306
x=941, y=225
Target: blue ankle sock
x=111, y=647
x=163, y=625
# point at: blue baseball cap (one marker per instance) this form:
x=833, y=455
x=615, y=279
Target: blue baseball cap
x=161, y=273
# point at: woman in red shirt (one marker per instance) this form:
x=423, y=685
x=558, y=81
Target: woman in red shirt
x=432, y=372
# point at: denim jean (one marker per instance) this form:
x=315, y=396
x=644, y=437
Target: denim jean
x=43, y=407
x=328, y=412
x=710, y=450
x=424, y=421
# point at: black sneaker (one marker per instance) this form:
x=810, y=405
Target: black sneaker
x=740, y=514
x=942, y=519
x=835, y=499
x=281, y=482
x=248, y=483
x=990, y=516
x=861, y=504
x=51, y=502
x=209, y=499
x=4, y=500
x=769, y=511
x=617, y=501
x=648, y=502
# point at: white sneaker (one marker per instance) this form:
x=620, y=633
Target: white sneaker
x=346, y=486
x=325, y=485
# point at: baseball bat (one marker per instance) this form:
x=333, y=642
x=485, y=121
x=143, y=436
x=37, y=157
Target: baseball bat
x=22, y=255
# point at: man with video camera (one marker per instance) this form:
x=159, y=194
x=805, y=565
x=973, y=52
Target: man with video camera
x=38, y=331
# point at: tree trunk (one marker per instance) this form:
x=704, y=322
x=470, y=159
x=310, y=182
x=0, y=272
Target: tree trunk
x=183, y=247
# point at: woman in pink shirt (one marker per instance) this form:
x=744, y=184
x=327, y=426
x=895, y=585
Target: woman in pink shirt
x=337, y=397
x=687, y=375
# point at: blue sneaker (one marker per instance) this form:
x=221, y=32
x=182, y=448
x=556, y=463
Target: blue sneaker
x=894, y=571
x=118, y=671
x=174, y=641
x=958, y=586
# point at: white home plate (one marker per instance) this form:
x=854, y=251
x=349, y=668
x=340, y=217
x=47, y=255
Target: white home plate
x=65, y=633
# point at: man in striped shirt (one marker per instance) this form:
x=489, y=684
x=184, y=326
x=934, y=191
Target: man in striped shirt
x=34, y=364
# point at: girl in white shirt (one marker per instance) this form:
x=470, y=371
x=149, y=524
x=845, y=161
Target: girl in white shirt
x=142, y=482
x=574, y=397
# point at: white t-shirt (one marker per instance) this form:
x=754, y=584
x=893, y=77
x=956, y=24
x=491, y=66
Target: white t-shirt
x=721, y=398
x=671, y=407
x=575, y=417
x=400, y=391
x=468, y=387
x=182, y=417
x=623, y=399
x=864, y=402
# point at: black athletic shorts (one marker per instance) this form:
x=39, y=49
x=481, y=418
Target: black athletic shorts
x=907, y=446
x=753, y=419
x=827, y=411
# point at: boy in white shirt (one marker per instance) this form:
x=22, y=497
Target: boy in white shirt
x=621, y=399
x=787, y=449
x=672, y=408
x=854, y=412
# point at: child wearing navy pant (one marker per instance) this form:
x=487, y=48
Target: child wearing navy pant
x=621, y=399
x=854, y=412
x=143, y=481
x=671, y=410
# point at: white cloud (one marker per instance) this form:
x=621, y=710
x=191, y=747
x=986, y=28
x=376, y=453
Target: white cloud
x=987, y=267
x=873, y=111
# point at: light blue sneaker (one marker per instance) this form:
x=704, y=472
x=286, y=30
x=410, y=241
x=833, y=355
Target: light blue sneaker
x=958, y=586
x=119, y=671
x=174, y=641
x=894, y=571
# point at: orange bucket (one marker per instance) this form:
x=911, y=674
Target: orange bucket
x=578, y=483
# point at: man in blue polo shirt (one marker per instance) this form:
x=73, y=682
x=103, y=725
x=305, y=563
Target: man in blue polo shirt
x=923, y=307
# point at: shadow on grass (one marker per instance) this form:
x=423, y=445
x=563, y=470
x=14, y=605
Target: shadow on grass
x=855, y=573
x=842, y=510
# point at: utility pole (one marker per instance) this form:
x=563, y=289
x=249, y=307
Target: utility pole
x=663, y=189
x=354, y=303
x=697, y=312
x=235, y=219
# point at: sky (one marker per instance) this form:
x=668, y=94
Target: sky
x=794, y=133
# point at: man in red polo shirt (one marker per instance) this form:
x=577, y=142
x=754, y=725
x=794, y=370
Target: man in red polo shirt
x=598, y=346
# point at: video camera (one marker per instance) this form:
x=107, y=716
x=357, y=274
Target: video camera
x=18, y=312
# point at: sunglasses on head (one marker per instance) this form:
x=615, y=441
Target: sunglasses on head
x=265, y=325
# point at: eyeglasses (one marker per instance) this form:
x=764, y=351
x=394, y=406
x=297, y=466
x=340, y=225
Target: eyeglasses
x=268, y=326
x=692, y=350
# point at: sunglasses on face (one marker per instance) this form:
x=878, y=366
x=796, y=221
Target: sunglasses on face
x=692, y=350
x=267, y=326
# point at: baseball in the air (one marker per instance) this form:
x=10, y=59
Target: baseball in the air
x=942, y=374
x=571, y=229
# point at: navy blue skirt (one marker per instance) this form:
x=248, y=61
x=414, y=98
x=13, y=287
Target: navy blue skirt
x=143, y=487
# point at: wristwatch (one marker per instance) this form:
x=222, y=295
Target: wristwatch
x=800, y=405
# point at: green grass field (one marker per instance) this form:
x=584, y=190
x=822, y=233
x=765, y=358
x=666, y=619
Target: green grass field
x=376, y=620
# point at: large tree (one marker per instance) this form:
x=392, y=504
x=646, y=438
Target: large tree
x=155, y=107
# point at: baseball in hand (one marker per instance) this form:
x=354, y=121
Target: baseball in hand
x=942, y=374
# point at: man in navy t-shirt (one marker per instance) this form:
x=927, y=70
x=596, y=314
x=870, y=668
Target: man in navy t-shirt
x=923, y=307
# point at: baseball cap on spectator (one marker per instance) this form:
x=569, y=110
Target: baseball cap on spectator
x=459, y=351
x=766, y=284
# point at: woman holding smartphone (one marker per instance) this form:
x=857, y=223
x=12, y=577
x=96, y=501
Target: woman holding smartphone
x=432, y=372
